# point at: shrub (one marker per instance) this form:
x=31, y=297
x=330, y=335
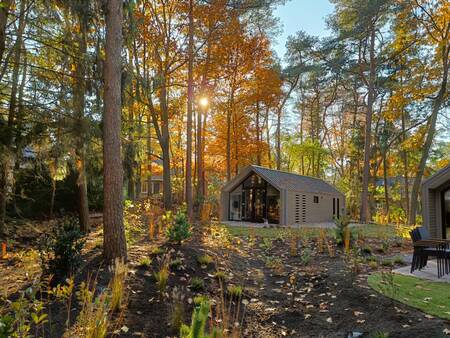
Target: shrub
x=60, y=251
x=197, y=284
x=180, y=229
x=305, y=257
x=380, y=334
x=340, y=231
x=204, y=260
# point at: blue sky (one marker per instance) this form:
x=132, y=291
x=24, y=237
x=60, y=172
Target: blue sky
x=307, y=15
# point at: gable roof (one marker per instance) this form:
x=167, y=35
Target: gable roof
x=439, y=178
x=283, y=180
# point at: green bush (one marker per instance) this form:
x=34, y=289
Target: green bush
x=180, y=229
x=60, y=250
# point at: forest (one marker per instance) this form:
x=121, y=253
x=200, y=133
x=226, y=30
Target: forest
x=122, y=120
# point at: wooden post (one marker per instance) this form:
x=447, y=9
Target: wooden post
x=3, y=250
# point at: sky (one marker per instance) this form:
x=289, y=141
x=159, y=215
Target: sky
x=306, y=15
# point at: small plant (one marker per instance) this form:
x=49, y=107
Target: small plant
x=162, y=275
x=330, y=249
x=157, y=250
x=276, y=264
x=387, y=262
x=199, y=299
x=145, y=262
x=399, y=260
x=64, y=292
x=60, y=251
x=251, y=237
x=24, y=314
x=234, y=291
x=321, y=240
x=180, y=229
x=367, y=250
x=380, y=334
x=6, y=326
x=220, y=275
x=198, y=324
x=176, y=263
x=94, y=318
x=267, y=244
x=117, y=284
x=354, y=262
x=204, y=260
x=177, y=308
x=342, y=228
x=388, y=285
x=305, y=256
x=197, y=284
x=373, y=264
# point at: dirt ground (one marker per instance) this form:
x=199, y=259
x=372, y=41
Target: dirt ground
x=325, y=300
x=307, y=295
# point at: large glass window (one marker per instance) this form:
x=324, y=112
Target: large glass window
x=259, y=201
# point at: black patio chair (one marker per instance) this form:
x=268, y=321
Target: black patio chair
x=429, y=248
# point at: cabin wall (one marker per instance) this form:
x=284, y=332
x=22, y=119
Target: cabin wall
x=302, y=209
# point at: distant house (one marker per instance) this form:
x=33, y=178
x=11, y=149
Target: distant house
x=260, y=194
x=436, y=203
x=155, y=187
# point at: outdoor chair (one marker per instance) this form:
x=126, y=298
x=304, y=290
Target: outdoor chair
x=425, y=246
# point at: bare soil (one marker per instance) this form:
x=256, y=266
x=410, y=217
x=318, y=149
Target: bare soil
x=319, y=298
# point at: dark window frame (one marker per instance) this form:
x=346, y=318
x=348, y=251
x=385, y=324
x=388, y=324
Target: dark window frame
x=316, y=199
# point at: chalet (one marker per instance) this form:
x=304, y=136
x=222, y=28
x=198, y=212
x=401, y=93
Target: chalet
x=263, y=195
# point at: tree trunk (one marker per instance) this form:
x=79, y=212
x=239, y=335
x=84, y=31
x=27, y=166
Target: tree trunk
x=229, y=112
x=437, y=103
x=113, y=233
x=258, y=139
x=278, y=138
x=405, y=163
x=364, y=214
x=165, y=147
x=5, y=165
x=79, y=92
x=190, y=98
x=386, y=186
x=4, y=11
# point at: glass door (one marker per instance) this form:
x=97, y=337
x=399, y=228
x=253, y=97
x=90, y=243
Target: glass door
x=446, y=214
x=235, y=207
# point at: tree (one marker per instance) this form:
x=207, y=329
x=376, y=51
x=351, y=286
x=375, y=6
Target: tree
x=190, y=99
x=433, y=23
x=113, y=231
